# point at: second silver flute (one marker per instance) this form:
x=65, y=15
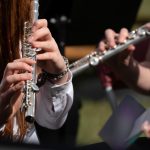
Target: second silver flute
x=96, y=57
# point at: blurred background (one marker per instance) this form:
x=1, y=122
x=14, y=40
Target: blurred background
x=96, y=108
x=78, y=26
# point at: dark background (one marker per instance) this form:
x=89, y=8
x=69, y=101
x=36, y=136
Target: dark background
x=89, y=18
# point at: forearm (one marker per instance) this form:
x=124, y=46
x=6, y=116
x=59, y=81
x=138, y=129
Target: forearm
x=133, y=74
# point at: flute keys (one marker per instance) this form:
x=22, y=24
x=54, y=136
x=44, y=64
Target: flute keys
x=132, y=35
x=142, y=32
x=94, y=61
x=34, y=87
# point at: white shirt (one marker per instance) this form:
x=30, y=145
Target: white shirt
x=53, y=103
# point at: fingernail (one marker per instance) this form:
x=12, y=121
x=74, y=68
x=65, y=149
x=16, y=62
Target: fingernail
x=115, y=46
x=30, y=39
x=31, y=68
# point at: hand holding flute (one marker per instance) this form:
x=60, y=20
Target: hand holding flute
x=136, y=75
x=110, y=47
x=133, y=73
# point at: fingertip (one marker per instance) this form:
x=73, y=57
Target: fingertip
x=112, y=44
x=101, y=46
x=131, y=48
x=145, y=125
x=30, y=39
x=123, y=35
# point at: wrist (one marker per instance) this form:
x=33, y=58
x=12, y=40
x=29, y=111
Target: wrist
x=54, y=78
x=61, y=80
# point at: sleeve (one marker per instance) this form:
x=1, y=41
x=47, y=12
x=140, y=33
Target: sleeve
x=53, y=103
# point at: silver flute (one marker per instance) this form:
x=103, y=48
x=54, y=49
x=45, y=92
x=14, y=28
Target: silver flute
x=30, y=88
x=96, y=57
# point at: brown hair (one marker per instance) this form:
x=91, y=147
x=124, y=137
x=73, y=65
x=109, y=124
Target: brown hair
x=13, y=14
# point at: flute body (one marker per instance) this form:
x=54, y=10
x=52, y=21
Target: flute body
x=96, y=57
x=30, y=88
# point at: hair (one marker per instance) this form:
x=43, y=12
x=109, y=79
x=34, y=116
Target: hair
x=13, y=14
